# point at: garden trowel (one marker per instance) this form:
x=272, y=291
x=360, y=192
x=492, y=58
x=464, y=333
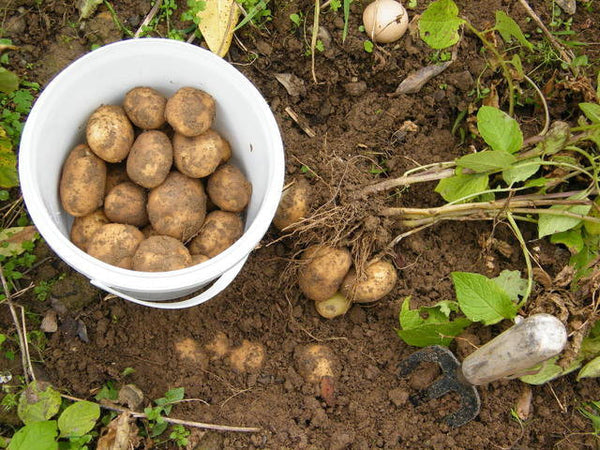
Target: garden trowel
x=527, y=343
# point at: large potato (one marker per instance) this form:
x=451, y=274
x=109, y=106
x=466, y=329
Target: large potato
x=199, y=156
x=82, y=182
x=379, y=279
x=161, y=254
x=190, y=111
x=177, y=207
x=126, y=203
x=115, y=174
x=109, y=133
x=145, y=107
x=322, y=270
x=150, y=159
x=219, y=231
x=294, y=204
x=229, y=189
x=83, y=228
x=115, y=243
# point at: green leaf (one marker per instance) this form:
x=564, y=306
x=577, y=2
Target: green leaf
x=591, y=111
x=499, y=130
x=550, y=224
x=8, y=162
x=78, y=419
x=460, y=186
x=175, y=395
x=556, y=139
x=509, y=29
x=87, y=8
x=510, y=281
x=37, y=435
x=486, y=161
x=572, y=239
x=590, y=346
x=38, y=402
x=13, y=241
x=590, y=370
x=9, y=82
x=447, y=307
x=592, y=415
x=439, y=24
x=548, y=371
x=518, y=65
x=522, y=170
x=482, y=299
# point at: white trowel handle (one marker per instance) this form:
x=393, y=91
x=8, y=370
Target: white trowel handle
x=524, y=345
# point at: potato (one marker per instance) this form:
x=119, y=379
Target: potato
x=145, y=107
x=229, y=189
x=150, y=159
x=177, y=207
x=199, y=156
x=126, y=203
x=115, y=243
x=109, y=133
x=115, y=174
x=248, y=357
x=315, y=362
x=82, y=182
x=84, y=227
x=378, y=281
x=199, y=259
x=190, y=111
x=161, y=254
x=294, y=204
x=219, y=231
x=338, y=305
x=322, y=271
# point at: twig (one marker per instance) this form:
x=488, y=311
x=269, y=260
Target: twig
x=148, y=18
x=519, y=235
x=544, y=104
x=407, y=180
x=313, y=39
x=187, y=423
x=300, y=121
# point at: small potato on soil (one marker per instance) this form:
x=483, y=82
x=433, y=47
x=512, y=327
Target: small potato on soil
x=322, y=270
x=150, y=159
x=126, y=203
x=161, y=254
x=248, y=357
x=190, y=111
x=82, y=182
x=315, y=362
x=145, y=107
x=109, y=133
x=294, y=204
x=115, y=174
x=338, y=305
x=84, y=227
x=379, y=280
x=229, y=189
x=199, y=156
x=115, y=243
x=219, y=231
x=177, y=207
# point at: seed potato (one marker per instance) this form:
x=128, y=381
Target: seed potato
x=109, y=133
x=115, y=243
x=161, y=254
x=82, y=182
x=150, y=159
x=219, y=231
x=199, y=156
x=294, y=204
x=115, y=174
x=84, y=227
x=145, y=107
x=322, y=271
x=229, y=189
x=177, y=207
x=190, y=111
x=315, y=362
x=338, y=305
x=126, y=203
x=378, y=281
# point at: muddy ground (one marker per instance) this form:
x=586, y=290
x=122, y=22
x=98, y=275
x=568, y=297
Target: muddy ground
x=359, y=127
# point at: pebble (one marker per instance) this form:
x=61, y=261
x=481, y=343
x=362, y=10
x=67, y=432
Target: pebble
x=355, y=89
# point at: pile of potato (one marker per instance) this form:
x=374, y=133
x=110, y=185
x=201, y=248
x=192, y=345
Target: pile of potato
x=152, y=188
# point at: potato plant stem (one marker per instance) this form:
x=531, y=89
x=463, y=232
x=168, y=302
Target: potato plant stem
x=519, y=235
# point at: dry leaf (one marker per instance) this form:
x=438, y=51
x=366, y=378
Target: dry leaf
x=217, y=23
x=293, y=85
x=12, y=239
x=120, y=434
x=416, y=80
x=131, y=396
x=49, y=322
x=523, y=407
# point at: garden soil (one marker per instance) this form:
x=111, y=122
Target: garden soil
x=351, y=130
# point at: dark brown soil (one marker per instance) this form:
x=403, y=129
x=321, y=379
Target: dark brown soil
x=359, y=127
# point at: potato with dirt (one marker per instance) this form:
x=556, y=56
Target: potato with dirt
x=115, y=244
x=190, y=111
x=294, y=204
x=229, y=189
x=82, y=182
x=84, y=227
x=322, y=269
x=145, y=107
x=199, y=156
x=115, y=174
x=378, y=280
x=109, y=133
x=333, y=307
x=150, y=159
x=315, y=362
x=126, y=203
x=219, y=231
x=177, y=207
x=161, y=254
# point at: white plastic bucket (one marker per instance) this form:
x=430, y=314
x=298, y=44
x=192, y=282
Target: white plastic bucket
x=57, y=122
